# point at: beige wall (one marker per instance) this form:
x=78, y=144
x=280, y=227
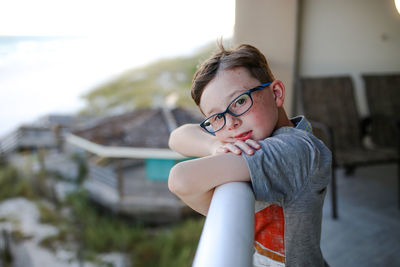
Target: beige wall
x=349, y=37
x=336, y=37
x=270, y=25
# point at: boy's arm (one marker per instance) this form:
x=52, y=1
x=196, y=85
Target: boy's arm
x=194, y=180
x=190, y=140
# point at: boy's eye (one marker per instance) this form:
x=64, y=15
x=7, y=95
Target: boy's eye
x=207, y=123
x=216, y=120
x=241, y=100
x=218, y=117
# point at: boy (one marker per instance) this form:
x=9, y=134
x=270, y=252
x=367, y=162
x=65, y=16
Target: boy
x=247, y=136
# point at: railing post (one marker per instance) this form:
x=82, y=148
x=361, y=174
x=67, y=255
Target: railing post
x=228, y=233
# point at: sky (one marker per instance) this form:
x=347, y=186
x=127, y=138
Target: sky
x=54, y=51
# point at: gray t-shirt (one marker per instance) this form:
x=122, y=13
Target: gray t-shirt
x=289, y=176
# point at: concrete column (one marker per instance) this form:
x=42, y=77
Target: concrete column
x=271, y=26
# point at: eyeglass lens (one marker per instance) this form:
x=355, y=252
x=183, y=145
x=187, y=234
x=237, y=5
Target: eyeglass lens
x=237, y=107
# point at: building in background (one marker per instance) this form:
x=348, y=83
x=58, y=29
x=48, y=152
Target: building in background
x=48, y=132
x=129, y=162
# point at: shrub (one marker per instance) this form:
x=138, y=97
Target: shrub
x=12, y=184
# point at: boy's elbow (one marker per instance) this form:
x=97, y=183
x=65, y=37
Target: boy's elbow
x=172, y=180
x=171, y=141
x=174, y=140
x=177, y=183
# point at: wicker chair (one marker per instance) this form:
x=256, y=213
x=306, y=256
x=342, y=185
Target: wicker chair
x=383, y=96
x=329, y=103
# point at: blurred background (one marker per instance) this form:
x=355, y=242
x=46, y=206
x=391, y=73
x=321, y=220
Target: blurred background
x=90, y=90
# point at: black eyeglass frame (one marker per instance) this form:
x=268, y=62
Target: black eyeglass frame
x=248, y=92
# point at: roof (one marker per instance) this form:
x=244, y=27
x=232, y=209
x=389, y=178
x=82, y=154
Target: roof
x=144, y=128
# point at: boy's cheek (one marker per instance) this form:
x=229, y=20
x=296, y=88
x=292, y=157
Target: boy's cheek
x=262, y=128
x=255, y=120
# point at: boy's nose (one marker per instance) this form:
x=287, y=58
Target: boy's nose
x=232, y=122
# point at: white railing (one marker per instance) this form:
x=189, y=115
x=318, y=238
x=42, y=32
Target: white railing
x=122, y=152
x=228, y=233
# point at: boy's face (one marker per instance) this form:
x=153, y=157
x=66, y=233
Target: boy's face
x=259, y=121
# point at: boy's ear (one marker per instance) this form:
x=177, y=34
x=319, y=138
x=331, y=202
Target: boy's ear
x=278, y=90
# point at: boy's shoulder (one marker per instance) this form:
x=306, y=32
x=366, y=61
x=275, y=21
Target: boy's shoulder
x=295, y=144
x=295, y=137
x=290, y=142
x=301, y=126
x=300, y=135
x=288, y=161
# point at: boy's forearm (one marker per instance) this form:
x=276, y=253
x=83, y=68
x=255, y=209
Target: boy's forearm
x=190, y=140
x=194, y=181
x=199, y=202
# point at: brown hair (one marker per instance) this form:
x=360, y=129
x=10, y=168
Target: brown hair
x=244, y=55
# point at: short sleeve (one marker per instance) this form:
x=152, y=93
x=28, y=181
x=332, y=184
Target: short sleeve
x=281, y=168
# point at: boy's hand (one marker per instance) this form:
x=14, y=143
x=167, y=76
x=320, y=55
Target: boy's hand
x=248, y=147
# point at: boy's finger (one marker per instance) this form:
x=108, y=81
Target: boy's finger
x=233, y=148
x=221, y=150
x=244, y=147
x=254, y=144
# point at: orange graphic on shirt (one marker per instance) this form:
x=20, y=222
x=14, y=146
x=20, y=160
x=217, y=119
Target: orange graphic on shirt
x=269, y=232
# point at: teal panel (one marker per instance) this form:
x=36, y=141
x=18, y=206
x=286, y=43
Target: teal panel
x=158, y=169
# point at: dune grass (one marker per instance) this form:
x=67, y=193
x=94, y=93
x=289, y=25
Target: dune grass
x=91, y=231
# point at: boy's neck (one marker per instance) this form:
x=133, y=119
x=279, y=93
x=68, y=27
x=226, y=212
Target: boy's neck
x=283, y=120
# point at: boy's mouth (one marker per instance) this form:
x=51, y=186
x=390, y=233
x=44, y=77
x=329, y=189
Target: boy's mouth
x=244, y=136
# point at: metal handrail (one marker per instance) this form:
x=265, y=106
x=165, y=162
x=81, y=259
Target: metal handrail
x=228, y=233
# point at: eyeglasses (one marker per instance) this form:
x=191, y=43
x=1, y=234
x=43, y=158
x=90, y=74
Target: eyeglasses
x=236, y=108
